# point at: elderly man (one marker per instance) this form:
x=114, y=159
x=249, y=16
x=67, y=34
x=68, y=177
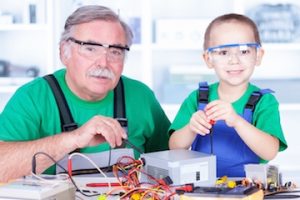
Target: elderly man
x=93, y=48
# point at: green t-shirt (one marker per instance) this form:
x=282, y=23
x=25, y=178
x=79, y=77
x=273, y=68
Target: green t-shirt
x=32, y=113
x=265, y=117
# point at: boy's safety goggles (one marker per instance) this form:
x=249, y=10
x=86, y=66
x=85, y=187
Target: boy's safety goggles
x=223, y=54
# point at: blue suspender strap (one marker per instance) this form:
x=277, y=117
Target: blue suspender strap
x=266, y=91
x=202, y=102
x=253, y=100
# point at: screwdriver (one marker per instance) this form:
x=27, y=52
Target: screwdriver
x=212, y=122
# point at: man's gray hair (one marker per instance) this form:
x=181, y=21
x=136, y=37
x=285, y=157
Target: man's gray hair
x=90, y=13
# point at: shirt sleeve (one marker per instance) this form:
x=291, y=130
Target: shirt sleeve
x=186, y=110
x=18, y=119
x=267, y=118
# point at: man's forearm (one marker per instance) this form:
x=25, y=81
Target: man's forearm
x=16, y=157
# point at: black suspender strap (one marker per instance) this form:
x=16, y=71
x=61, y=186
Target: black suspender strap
x=203, y=95
x=119, y=108
x=119, y=104
x=251, y=104
x=202, y=102
x=254, y=98
x=66, y=119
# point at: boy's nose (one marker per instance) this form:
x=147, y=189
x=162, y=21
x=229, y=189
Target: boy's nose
x=233, y=58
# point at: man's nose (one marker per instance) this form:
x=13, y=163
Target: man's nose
x=102, y=58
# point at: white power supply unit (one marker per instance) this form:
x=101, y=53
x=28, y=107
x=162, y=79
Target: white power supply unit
x=29, y=188
x=182, y=166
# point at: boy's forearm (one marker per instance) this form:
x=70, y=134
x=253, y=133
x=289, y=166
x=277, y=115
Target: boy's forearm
x=263, y=144
x=181, y=139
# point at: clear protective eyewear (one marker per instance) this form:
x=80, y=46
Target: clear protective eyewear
x=92, y=50
x=246, y=53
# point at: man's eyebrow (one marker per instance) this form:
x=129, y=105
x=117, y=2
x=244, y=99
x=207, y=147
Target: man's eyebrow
x=94, y=42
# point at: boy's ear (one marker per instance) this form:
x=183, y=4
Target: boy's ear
x=207, y=60
x=259, y=57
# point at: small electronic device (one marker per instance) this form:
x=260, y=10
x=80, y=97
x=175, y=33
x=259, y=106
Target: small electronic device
x=32, y=188
x=216, y=193
x=182, y=166
x=265, y=173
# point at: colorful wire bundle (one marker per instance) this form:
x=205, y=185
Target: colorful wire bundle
x=128, y=171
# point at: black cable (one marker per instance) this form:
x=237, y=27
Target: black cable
x=65, y=171
x=133, y=146
x=77, y=172
x=109, y=156
x=108, y=167
x=47, y=155
x=282, y=196
x=84, y=171
x=282, y=192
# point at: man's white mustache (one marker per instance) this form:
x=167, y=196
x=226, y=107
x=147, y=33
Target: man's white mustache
x=101, y=72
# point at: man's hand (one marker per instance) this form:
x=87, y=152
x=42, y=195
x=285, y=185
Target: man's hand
x=98, y=130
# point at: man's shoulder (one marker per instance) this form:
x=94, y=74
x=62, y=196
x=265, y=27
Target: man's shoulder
x=32, y=91
x=40, y=82
x=133, y=83
x=35, y=84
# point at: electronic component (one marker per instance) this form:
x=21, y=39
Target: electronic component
x=182, y=166
x=31, y=188
x=210, y=193
x=268, y=175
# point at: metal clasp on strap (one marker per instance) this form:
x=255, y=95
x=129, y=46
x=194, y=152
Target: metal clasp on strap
x=69, y=127
x=123, y=122
x=203, y=92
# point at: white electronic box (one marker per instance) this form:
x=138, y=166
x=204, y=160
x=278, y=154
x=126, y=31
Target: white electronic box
x=182, y=166
x=33, y=189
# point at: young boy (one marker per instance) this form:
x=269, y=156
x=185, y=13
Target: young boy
x=233, y=49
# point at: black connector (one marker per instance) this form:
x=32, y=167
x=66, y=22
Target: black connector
x=167, y=180
x=143, y=161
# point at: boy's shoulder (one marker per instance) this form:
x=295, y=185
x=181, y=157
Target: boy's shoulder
x=264, y=91
x=267, y=97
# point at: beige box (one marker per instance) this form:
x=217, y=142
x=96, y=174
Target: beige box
x=264, y=173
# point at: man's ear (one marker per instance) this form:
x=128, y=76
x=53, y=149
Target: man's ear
x=64, y=52
x=259, y=57
x=207, y=60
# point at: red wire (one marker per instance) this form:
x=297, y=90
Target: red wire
x=70, y=167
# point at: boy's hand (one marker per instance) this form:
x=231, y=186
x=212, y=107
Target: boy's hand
x=221, y=110
x=199, y=123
